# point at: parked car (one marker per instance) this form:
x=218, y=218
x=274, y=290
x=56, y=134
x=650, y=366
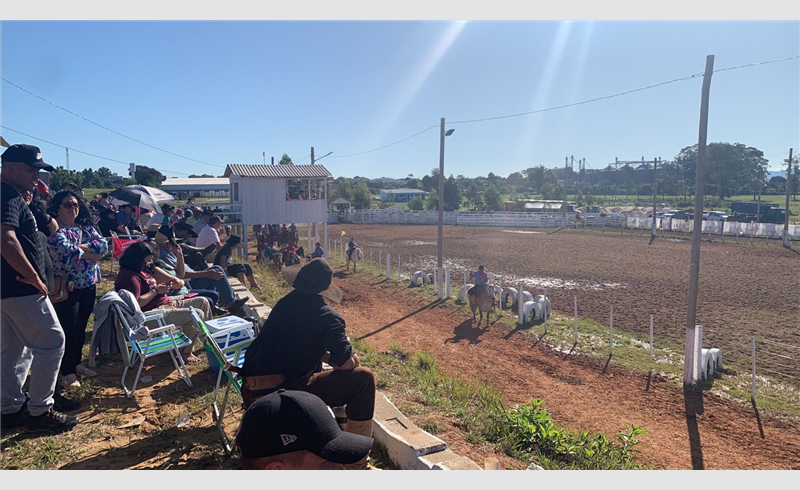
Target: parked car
x=682, y=215
x=714, y=216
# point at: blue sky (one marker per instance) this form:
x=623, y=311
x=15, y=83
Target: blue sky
x=224, y=92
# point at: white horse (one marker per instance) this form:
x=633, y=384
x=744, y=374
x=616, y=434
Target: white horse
x=354, y=256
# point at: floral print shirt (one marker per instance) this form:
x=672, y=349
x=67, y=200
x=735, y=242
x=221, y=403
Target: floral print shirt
x=67, y=256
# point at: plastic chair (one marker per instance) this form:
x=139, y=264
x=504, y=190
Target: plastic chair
x=230, y=360
x=142, y=343
x=118, y=245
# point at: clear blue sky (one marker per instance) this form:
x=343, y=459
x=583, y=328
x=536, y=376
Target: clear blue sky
x=224, y=92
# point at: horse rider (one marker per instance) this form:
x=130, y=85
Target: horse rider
x=478, y=277
x=351, y=248
x=318, y=252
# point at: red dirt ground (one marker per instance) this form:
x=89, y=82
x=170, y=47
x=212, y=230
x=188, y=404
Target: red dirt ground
x=684, y=431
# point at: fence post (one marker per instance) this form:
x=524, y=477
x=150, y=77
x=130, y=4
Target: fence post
x=576, y=319
x=371, y=260
x=651, y=338
x=399, y=267
x=611, y=332
x=388, y=266
x=698, y=354
x=447, y=282
x=545, y=309
x=520, y=315
x=465, y=278
x=753, y=350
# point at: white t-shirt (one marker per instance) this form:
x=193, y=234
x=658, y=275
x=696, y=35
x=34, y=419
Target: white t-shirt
x=156, y=219
x=206, y=237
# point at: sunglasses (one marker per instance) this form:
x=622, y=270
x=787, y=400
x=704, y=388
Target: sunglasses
x=69, y=205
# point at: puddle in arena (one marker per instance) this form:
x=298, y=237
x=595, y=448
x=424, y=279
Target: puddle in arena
x=524, y=232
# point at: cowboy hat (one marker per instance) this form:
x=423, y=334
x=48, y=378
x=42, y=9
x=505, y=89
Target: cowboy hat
x=313, y=278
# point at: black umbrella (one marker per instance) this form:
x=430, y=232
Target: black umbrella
x=142, y=196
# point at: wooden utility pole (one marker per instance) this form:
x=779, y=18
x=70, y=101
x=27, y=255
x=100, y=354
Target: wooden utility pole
x=312, y=155
x=655, y=203
x=690, y=350
x=440, y=245
x=564, y=204
x=788, y=191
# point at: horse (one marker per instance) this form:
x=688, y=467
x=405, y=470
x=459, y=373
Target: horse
x=290, y=258
x=354, y=255
x=481, y=297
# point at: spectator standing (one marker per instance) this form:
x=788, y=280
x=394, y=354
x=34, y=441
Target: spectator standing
x=32, y=338
x=75, y=248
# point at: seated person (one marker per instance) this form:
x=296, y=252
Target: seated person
x=318, y=251
x=213, y=278
x=163, y=272
x=299, y=335
x=315, y=442
x=479, y=277
x=209, y=235
x=108, y=223
x=135, y=275
x=240, y=271
x=126, y=219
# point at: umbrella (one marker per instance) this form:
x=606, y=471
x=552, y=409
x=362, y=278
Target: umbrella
x=140, y=195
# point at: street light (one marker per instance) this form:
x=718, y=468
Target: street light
x=439, y=273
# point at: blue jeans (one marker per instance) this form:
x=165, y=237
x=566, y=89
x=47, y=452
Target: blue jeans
x=222, y=286
x=32, y=339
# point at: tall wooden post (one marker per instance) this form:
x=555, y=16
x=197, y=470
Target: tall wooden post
x=786, y=242
x=694, y=272
x=655, y=203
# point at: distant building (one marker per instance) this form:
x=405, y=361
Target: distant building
x=197, y=187
x=402, y=195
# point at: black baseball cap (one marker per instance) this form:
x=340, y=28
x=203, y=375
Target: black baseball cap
x=28, y=154
x=287, y=421
x=313, y=278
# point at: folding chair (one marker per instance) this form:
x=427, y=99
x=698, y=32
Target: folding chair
x=119, y=243
x=142, y=343
x=230, y=360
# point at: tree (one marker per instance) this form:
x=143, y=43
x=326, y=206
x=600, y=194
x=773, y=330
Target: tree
x=149, y=176
x=416, y=204
x=629, y=178
x=60, y=177
x=427, y=183
x=730, y=168
x=343, y=189
x=452, y=195
x=473, y=195
x=362, y=197
x=515, y=178
x=203, y=176
x=432, y=202
x=285, y=160
x=492, y=197
x=412, y=183
x=535, y=177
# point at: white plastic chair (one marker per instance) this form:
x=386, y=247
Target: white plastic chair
x=142, y=343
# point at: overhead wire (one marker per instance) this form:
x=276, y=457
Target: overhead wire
x=84, y=152
x=106, y=128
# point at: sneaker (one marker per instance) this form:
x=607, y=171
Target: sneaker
x=236, y=304
x=50, y=421
x=218, y=312
x=14, y=420
x=64, y=404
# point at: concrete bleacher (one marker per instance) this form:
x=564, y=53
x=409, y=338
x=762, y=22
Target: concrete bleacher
x=408, y=446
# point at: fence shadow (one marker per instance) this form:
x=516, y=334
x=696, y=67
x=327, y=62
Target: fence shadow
x=758, y=418
x=693, y=404
x=608, y=361
x=571, y=350
x=649, y=380
x=388, y=325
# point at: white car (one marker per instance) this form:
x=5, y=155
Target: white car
x=715, y=216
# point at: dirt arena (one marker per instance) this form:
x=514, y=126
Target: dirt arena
x=745, y=290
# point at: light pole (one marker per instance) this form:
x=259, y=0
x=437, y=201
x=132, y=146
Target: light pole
x=442, y=134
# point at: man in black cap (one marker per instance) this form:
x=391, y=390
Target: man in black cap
x=299, y=335
x=294, y=430
x=32, y=337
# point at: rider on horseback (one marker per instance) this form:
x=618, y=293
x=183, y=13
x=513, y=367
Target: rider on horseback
x=351, y=247
x=479, y=277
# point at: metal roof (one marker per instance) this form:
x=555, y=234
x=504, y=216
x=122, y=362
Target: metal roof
x=403, y=191
x=194, y=181
x=341, y=200
x=277, y=171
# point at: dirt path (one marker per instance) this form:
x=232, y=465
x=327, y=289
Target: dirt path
x=684, y=432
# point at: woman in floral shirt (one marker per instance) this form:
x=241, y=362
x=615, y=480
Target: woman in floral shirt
x=75, y=249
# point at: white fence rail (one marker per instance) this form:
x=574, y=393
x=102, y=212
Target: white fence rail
x=556, y=220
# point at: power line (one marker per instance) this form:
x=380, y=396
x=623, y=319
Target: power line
x=387, y=146
x=85, y=153
x=107, y=129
